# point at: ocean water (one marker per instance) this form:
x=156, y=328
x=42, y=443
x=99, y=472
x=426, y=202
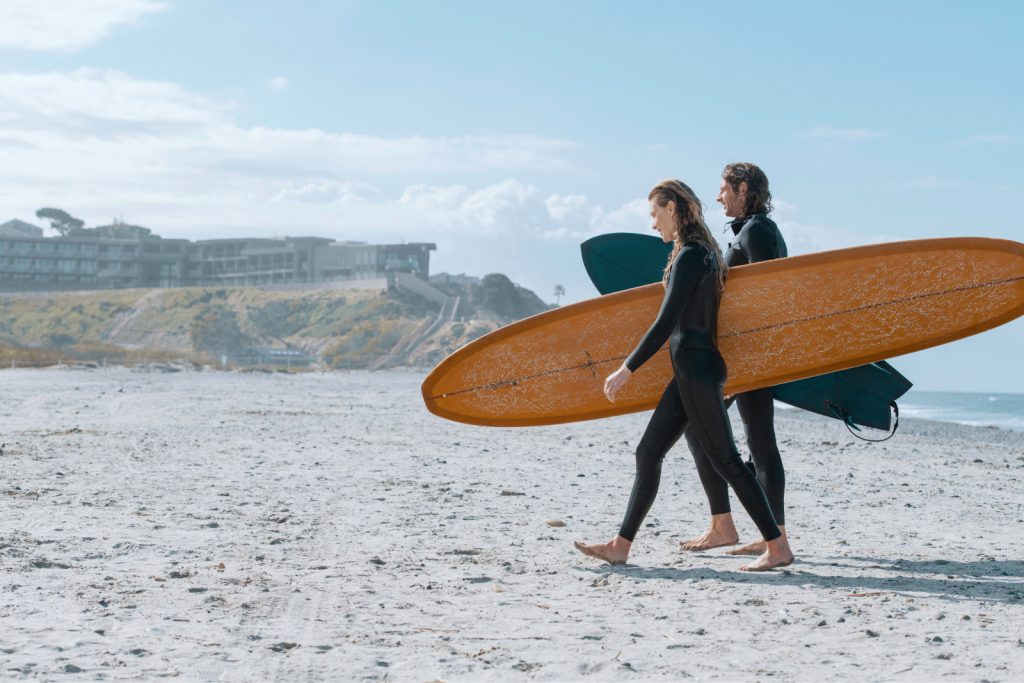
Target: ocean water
x=981, y=410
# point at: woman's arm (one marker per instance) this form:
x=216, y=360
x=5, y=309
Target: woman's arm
x=689, y=267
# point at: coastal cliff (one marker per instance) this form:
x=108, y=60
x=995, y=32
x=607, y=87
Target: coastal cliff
x=242, y=327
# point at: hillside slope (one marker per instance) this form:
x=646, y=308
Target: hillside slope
x=337, y=328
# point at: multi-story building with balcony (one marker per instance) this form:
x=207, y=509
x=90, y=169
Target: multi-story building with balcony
x=108, y=258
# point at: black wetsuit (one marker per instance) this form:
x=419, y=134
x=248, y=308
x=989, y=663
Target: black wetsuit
x=692, y=401
x=757, y=238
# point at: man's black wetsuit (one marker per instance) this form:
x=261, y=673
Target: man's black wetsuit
x=692, y=401
x=756, y=238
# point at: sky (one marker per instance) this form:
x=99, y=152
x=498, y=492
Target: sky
x=507, y=133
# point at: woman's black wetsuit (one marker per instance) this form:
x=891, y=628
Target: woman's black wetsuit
x=692, y=401
x=757, y=238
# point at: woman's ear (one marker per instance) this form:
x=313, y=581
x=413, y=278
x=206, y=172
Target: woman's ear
x=744, y=188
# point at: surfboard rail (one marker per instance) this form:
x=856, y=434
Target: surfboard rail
x=501, y=380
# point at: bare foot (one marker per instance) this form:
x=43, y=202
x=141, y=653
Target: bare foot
x=722, y=532
x=614, y=552
x=712, y=538
x=755, y=548
x=777, y=554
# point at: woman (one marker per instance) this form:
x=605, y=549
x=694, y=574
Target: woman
x=745, y=196
x=693, y=398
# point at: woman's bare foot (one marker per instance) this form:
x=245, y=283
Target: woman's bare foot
x=615, y=551
x=722, y=532
x=755, y=548
x=777, y=554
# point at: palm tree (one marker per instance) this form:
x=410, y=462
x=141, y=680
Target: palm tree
x=559, y=293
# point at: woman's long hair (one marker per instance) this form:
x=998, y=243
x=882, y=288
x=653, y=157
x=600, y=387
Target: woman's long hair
x=690, y=226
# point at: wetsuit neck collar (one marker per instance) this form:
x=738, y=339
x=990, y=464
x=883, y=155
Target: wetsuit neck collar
x=737, y=223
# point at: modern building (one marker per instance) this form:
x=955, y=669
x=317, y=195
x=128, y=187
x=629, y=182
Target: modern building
x=448, y=279
x=16, y=228
x=119, y=256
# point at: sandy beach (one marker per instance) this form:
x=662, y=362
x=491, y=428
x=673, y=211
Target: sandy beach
x=218, y=526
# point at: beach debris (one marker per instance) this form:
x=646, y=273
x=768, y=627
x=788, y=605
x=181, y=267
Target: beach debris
x=871, y=634
x=377, y=561
x=864, y=595
x=554, y=522
x=219, y=567
x=43, y=563
x=183, y=574
x=478, y=579
x=197, y=589
x=506, y=492
x=469, y=551
x=283, y=646
x=72, y=669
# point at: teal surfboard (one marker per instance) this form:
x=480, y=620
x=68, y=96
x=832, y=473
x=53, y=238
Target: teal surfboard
x=859, y=396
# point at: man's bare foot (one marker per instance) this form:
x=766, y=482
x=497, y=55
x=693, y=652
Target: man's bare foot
x=614, y=552
x=755, y=548
x=777, y=554
x=722, y=532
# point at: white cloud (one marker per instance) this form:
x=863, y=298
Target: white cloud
x=508, y=210
x=107, y=135
x=278, y=83
x=327, y=193
x=806, y=238
x=66, y=25
x=563, y=207
x=830, y=133
x=989, y=139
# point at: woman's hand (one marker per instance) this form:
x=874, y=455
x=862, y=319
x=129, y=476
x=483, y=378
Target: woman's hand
x=615, y=381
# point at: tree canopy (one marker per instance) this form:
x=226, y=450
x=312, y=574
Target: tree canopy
x=61, y=221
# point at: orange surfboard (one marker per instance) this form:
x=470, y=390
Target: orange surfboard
x=780, y=321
